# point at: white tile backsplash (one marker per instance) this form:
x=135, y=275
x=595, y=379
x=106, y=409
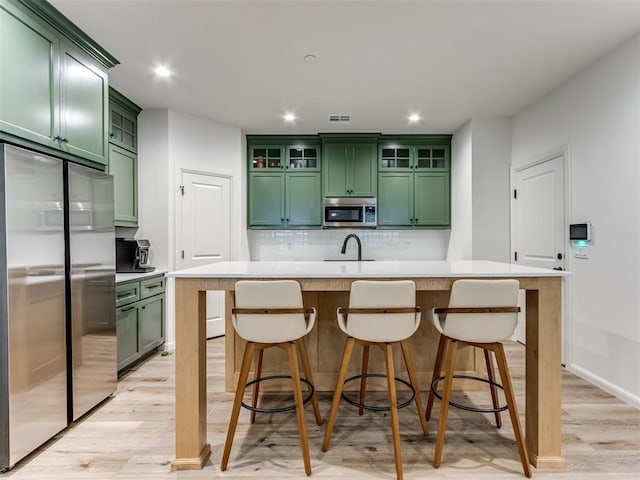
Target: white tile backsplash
x=288, y=245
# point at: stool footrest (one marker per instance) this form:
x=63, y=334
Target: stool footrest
x=372, y=407
x=434, y=385
x=287, y=408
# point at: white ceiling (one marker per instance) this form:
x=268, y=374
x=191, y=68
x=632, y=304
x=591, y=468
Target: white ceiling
x=241, y=62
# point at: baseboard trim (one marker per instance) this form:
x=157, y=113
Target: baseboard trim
x=605, y=385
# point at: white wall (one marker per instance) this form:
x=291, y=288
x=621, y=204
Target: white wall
x=480, y=161
x=491, y=159
x=461, y=240
x=596, y=118
x=168, y=142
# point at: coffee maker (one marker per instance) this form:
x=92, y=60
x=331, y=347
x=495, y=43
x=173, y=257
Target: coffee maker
x=132, y=255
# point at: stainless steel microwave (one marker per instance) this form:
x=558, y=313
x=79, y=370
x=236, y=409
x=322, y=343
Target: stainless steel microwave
x=350, y=212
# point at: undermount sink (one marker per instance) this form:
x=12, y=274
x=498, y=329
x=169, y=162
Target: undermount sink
x=349, y=260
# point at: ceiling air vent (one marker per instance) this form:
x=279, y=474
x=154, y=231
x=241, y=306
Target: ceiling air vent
x=339, y=118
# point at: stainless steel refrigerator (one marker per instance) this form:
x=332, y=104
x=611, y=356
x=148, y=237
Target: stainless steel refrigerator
x=57, y=297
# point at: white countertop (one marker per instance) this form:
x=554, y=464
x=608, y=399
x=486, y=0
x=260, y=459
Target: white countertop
x=365, y=269
x=127, y=277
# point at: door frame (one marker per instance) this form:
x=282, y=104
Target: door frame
x=567, y=297
x=178, y=209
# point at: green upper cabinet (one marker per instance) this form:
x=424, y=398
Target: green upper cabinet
x=29, y=65
x=284, y=182
x=303, y=208
x=395, y=199
x=123, y=121
x=53, y=83
x=414, y=181
x=266, y=157
x=123, y=159
x=431, y=199
x=84, y=101
x=266, y=199
x=349, y=166
x=123, y=165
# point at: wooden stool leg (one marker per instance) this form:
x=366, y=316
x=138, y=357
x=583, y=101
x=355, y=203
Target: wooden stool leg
x=237, y=402
x=256, y=386
x=452, y=349
x=488, y=360
x=363, y=380
x=413, y=378
x=297, y=393
x=437, y=368
x=511, y=403
x=393, y=408
x=306, y=368
x=346, y=356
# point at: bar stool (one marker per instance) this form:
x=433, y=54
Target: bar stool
x=380, y=313
x=481, y=313
x=271, y=314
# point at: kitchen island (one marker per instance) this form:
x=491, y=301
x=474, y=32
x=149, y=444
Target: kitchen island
x=325, y=285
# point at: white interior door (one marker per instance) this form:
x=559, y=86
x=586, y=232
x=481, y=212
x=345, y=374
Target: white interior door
x=538, y=220
x=204, y=231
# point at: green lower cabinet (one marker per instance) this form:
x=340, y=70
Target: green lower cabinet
x=123, y=165
x=303, y=207
x=140, y=318
x=151, y=324
x=431, y=199
x=127, y=328
x=413, y=199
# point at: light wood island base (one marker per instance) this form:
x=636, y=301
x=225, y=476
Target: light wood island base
x=543, y=369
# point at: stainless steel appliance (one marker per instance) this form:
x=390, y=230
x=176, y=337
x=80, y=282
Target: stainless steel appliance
x=57, y=297
x=350, y=212
x=132, y=255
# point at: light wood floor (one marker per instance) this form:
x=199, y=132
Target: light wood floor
x=131, y=437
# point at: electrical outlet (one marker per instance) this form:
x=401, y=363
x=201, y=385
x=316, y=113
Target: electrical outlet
x=581, y=252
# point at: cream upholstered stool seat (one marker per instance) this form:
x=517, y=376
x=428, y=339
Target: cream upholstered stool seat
x=380, y=313
x=271, y=314
x=481, y=313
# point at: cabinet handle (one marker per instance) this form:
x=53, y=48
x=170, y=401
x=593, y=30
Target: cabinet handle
x=58, y=138
x=155, y=285
x=143, y=307
x=65, y=140
x=416, y=221
x=111, y=135
x=127, y=309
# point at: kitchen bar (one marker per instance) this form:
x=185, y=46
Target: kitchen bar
x=320, y=281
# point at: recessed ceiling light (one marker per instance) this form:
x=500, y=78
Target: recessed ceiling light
x=310, y=57
x=414, y=118
x=289, y=117
x=162, y=71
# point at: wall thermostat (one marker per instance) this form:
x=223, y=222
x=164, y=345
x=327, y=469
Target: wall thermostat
x=580, y=232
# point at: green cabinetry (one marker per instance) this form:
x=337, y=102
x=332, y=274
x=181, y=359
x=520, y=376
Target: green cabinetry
x=349, y=166
x=53, y=83
x=140, y=308
x=413, y=181
x=284, y=182
x=123, y=159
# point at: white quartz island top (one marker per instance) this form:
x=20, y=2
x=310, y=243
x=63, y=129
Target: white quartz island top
x=364, y=269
